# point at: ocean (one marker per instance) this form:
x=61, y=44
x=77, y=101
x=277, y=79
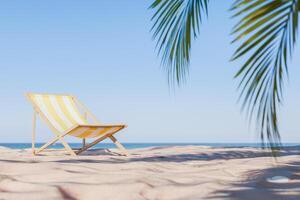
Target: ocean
x=140, y=145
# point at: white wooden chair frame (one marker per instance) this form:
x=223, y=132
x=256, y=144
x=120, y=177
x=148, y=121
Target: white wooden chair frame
x=60, y=136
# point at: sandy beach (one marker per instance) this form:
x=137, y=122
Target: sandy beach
x=189, y=172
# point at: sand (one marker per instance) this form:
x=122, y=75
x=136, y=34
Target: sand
x=180, y=173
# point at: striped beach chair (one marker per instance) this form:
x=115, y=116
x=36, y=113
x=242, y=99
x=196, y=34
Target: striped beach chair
x=66, y=115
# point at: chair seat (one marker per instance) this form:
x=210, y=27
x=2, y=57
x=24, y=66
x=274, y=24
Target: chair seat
x=92, y=130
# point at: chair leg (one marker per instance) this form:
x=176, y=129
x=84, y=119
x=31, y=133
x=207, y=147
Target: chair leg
x=91, y=144
x=67, y=147
x=119, y=145
x=47, y=144
x=96, y=142
x=60, y=138
x=33, y=131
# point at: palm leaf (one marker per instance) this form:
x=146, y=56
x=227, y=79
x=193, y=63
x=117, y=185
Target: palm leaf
x=267, y=34
x=176, y=23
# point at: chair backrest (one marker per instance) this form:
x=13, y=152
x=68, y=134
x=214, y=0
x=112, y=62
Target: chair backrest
x=59, y=110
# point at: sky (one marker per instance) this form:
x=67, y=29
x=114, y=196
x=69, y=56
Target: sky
x=103, y=53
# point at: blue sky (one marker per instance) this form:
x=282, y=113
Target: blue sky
x=102, y=52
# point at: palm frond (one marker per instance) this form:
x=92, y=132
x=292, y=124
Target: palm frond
x=266, y=34
x=176, y=23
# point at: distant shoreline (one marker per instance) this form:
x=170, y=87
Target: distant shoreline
x=143, y=145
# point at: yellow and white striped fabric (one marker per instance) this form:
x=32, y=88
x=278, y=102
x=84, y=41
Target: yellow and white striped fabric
x=62, y=114
x=86, y=131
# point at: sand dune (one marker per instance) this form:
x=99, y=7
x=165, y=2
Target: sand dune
x=179, y=173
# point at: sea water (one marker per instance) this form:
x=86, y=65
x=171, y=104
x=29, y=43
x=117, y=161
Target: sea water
x=140, y=145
